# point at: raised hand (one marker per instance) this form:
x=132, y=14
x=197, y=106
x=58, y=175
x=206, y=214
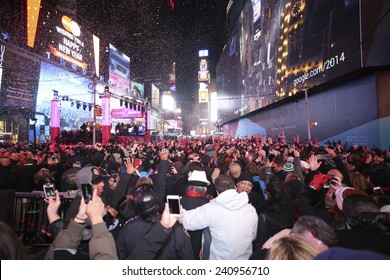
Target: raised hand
x=314, y=164
x=95, y=209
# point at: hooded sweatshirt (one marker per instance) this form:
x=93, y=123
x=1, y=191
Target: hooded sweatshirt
x=232, y=222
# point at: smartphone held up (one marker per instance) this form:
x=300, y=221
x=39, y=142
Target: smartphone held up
x=48, y=190
x=87, y=192
x=174, y=205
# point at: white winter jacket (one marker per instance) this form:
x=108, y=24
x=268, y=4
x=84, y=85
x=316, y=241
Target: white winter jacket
x=232, y=222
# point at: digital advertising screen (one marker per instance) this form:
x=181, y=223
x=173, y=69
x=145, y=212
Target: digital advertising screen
x=155, y=97
x=279, y=48
x=119, y=70
x=63, y=39
x=77, y=89
x=137, y=90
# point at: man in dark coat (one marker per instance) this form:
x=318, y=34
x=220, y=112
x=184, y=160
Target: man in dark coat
x=149, y=208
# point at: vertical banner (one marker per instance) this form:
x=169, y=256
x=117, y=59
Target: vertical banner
x=55, y=114
x=96, y=47
x=33, y=8
x=106, y=119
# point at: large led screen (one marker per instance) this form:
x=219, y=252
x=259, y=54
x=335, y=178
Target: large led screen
x=77, y=89
x=64, y=39
x=155, y=97
x=279, y=48
x=119, y=70
x=137, y=90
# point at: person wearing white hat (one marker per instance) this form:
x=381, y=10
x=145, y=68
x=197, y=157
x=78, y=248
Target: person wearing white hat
x=196, y=195
x=231, y=219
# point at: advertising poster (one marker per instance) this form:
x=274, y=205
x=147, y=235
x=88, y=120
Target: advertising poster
x=137, y=90
x=119, y=70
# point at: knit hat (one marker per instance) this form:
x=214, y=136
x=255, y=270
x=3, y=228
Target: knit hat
x=88, y=175
x=245, y=177
x=77, y=160
x=199, y=176
x=288, y=167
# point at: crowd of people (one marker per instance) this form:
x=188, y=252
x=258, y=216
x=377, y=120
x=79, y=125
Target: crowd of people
x=128, y=129
x=84, y=133
x=250, y=198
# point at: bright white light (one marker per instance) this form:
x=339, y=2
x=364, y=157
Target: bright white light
x=168, y=103
x=203, y=53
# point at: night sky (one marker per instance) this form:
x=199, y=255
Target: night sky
x=154, y=36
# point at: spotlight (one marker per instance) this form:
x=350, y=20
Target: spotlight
x=84, y=106
x=139, y=107
x=143, y=109
x=90, y=107
x=78, y=105
x=131, y=105
x=63, y=98
x=72, y=104
x=66, y=98
x=126, y=104
x=121, y=102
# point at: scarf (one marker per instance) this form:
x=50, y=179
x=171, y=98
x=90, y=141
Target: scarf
x=197, y=191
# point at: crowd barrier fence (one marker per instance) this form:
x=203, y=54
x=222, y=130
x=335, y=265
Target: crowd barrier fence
x=30, y=219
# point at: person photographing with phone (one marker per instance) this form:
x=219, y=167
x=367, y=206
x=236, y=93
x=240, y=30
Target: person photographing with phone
x=88, y=180
x=102, y=244
x=148, y=197
x=136, y=236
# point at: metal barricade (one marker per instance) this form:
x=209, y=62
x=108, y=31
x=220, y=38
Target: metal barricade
x=30, y=217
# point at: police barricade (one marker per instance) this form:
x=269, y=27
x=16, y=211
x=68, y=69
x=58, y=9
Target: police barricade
x=30, y=217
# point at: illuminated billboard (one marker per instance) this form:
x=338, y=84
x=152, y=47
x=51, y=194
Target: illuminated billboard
x=61, y=38
x=281, y=48
x=119, y=70
x=125, y=113
x=137, y=90
x=68, y=44
x=168, y=102
x=155, y=97
x=203, y=65
x=203, y=76
x=76, y=88
x=203, y=95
